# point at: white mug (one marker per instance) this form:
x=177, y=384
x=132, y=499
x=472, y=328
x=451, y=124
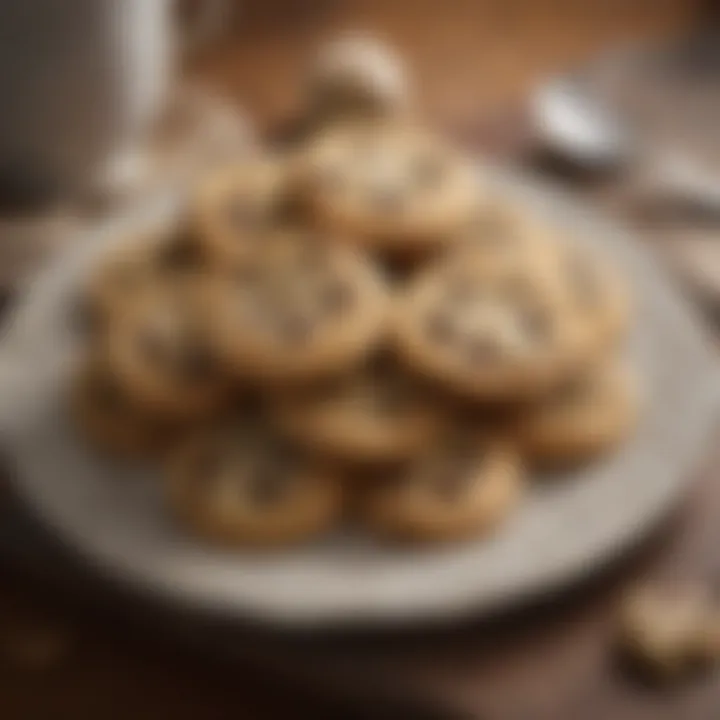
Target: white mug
x=80, y=80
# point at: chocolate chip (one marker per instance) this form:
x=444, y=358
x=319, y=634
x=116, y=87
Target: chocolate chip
x=428, y=171
x=584, y=280
x=245, y=274
x=586, y=289
x=125, y=276
x=516, y=287
x=451, y=482
x=152, y=346
x=332, y=177
x=108, y=393
x=243, y=215
x=266, y=491
x=180, y=254
x=313, y=255
x=196, y=362
x=491, y=229
x=571, y=389
x=238, y=213
x=336, y=296
x=536, y=323
x=487, y=238
x=268, y=483
x=296, y=329
x=461, y=290
x=466, y=453
x=440, y=328
x=205, y=465
x=481, y=350
x=387, y=199
x=86, y=319
x=391, y=397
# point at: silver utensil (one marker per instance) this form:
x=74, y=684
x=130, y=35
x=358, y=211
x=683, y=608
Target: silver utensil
x=572, y=120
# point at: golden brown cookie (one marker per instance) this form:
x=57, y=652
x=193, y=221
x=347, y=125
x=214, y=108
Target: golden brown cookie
x=236, y=205
x=464, y=486
x=587, y=415
x=129, y=271
x=490, y=331
x=235, y=484
x=303, y=307
x=596, y=295
x=109, y=418
x=161, y=351
x=506, y=233
x=392, y=188
x=502, y=231
x=377, y=413
x=356, y=76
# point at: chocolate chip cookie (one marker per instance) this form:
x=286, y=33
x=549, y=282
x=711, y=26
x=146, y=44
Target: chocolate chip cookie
x=501, y=231
x=587, y=415
x=464, y=486
x=596, y=296
x=356, y=76
x=392, y=188
x=129, y=272
x=303, y=307
x=235, y=206
x=161, y=352
x=377, y=413
x=487, y=331
x=111, y=420
x=235, y=484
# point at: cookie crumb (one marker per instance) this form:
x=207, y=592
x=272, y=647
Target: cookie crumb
x=669, y=631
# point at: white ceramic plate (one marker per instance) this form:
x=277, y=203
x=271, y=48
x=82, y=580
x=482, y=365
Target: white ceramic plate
x=112, y=515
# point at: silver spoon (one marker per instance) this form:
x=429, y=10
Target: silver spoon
x=571, y=121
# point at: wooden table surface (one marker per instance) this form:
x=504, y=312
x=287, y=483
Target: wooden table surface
x=476, y=62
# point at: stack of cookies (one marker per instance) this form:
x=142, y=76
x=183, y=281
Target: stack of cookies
x=354, y=328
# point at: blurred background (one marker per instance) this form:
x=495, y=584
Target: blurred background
x=479, y=65
x=472, y=58
x=97, y=106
